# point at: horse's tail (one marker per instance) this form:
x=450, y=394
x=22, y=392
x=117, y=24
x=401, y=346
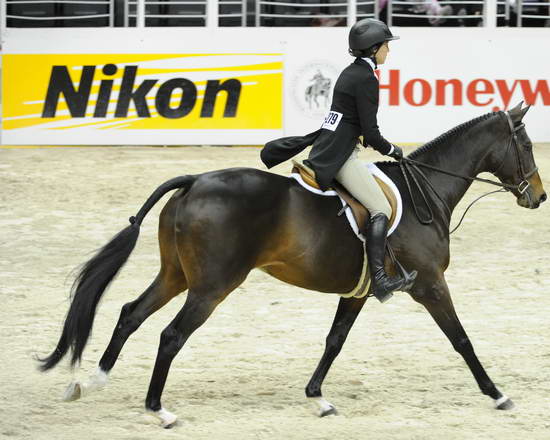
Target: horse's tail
x=95, y=275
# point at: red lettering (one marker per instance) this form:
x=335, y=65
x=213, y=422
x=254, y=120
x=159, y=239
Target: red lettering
x=392, y=87
x=479, y=87
x=440, y=85
x=426, y=92
x=541, y=89
x=418, y=92
x=505, y=91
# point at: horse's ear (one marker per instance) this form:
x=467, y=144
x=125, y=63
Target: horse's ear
x=516, y=109
x=523, y=111
x=516, y=113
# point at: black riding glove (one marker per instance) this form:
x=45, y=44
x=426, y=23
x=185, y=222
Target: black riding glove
x=397, y=152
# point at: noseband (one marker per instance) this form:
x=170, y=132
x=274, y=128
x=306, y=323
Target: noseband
x=410, y=167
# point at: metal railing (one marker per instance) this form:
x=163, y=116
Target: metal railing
x=168, y=12
x=60, y=12
x=411, y=9
x=303, y=12
x=503, y=5
x=214, y=13
x=521, y=6
x=367, y=9
x=187, y=12
x=231, y=9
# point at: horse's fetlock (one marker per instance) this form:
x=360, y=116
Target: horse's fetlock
x=313, y=391
x=152, y=405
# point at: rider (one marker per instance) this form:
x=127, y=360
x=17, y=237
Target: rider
x=334, y=152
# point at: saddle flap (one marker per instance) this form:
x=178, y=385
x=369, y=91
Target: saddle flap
x=359, y=211
x=307, y=174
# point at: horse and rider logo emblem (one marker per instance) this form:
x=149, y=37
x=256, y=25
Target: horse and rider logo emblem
x=312, y=88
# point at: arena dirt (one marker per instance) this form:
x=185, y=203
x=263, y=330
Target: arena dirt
x=242, y=375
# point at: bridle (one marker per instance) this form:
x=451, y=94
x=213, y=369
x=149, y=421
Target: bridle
x=524, y=184
x=410, y=168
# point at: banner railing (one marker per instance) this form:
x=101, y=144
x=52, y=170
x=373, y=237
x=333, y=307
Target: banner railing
x=210, y=13
x=221, y=13
x=60, y=12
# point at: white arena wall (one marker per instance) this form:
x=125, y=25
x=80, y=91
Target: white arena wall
x=227, y=86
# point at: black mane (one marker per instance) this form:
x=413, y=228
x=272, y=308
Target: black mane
x=459, y=129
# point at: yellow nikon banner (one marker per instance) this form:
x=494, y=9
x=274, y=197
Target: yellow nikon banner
x=141, y=98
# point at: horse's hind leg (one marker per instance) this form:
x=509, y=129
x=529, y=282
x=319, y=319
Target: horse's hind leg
x=198, y=306
x=437, y=300
x=166, y=286
x=348, y=309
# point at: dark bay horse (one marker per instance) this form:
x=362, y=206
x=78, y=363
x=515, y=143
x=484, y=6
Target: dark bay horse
x=220, y=225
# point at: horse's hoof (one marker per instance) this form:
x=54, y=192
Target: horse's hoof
x=167, y=419
x=505, y=405
x=328, y=412
x=324, y=407
x=73, y=392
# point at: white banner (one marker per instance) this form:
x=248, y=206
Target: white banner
x=246, y=86
x=433, y=80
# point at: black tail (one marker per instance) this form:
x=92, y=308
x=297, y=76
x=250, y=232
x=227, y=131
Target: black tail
x=97, y=274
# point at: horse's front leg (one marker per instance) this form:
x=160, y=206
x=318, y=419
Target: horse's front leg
x=348, y=309
x=437, y=300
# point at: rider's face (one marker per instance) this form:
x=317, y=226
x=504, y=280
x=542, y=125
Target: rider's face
x=382, y=53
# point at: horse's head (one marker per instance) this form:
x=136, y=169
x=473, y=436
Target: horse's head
x=514, y=162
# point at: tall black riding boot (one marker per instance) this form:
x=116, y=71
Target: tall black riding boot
x=382, y=284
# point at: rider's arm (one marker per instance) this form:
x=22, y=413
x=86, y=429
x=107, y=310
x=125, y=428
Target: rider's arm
x=366, y=94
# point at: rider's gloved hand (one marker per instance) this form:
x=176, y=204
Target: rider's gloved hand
x=397, y=152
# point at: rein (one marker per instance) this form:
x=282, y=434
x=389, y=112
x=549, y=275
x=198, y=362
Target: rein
x=410, y=167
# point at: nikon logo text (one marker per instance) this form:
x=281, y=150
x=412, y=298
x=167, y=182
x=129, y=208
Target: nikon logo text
x=78, y=97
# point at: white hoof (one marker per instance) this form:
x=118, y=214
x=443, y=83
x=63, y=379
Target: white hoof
x=73, y=392
x=504, y=403
x=323, y=407
x=76, y=390
x=167, y=419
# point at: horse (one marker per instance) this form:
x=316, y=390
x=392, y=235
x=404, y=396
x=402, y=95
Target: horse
x=220, y=225
x=321, y=87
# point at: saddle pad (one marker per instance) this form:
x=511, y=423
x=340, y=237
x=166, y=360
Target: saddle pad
x=375, y=171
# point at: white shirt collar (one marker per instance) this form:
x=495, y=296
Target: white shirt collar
x=368, y=60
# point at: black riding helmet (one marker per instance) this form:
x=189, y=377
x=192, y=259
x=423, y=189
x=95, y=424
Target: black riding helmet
x=366, y=34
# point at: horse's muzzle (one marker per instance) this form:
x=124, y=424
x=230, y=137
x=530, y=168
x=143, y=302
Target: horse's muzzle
x=530, y=200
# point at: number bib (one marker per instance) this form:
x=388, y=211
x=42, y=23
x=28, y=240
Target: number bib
x=332, y=120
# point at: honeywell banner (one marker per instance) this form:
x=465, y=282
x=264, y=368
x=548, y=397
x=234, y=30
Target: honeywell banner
x=433, y=80
x=247, y=85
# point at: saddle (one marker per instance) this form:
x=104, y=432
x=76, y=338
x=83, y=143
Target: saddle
x=359, y=211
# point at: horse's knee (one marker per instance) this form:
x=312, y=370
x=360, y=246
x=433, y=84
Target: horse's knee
x=334, y=343
x=171, y=342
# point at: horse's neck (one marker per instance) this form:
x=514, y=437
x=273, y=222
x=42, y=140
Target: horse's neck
x=464, y=156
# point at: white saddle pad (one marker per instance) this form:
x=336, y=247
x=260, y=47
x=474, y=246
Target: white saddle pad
x=374, y=170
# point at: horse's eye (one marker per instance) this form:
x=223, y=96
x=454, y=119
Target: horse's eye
x=528, y=146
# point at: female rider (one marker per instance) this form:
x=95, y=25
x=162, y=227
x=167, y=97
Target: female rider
x=334, y=152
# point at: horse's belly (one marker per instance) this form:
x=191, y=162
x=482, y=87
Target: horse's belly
x=317, y=276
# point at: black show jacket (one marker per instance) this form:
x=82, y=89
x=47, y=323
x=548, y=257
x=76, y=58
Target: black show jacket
x=352, y=114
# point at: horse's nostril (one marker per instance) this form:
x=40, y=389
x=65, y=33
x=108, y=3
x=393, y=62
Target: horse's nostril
x=542, y=198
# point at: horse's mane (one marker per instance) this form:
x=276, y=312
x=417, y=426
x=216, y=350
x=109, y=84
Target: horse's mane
x=459, y=129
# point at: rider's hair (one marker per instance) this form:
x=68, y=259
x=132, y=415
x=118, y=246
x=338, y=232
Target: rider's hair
x=365, y=53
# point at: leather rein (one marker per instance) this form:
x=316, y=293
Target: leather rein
x=410, y=168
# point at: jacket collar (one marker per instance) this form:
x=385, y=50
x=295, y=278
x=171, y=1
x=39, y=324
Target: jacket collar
x=365, y=62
